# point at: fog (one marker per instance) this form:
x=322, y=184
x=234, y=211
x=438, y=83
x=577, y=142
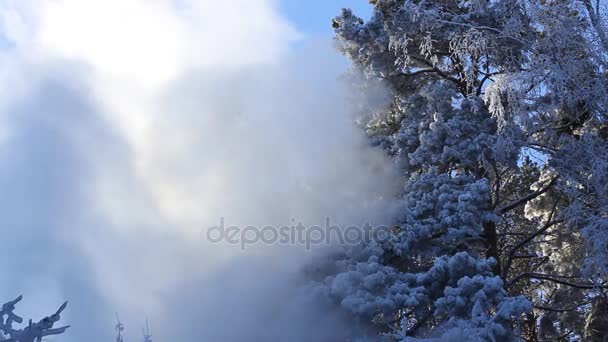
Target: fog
x=128, y=128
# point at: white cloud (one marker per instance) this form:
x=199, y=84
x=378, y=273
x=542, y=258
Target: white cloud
x=149, y=41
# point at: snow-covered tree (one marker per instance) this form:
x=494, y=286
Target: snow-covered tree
x=146, y=333
x=33, y=332
x=498, y=122
x=120, y=328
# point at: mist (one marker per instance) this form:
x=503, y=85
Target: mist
x=128, y=128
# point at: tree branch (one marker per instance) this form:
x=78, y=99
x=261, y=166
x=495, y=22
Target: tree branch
x=555, y=279
x=546, y=308
x=550, y=223
x=527, y=198
x=439, y=72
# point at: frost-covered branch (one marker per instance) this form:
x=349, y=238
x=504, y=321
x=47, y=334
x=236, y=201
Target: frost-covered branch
x=594, y=17
x=33, y=332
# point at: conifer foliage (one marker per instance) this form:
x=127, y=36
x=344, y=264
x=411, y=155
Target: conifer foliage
x=498, y=124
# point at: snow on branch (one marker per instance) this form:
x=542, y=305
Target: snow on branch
x=33, y=332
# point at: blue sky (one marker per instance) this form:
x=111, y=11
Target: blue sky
x=313, y=17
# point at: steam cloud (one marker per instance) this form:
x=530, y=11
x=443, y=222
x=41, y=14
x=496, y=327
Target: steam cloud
x=129, y=126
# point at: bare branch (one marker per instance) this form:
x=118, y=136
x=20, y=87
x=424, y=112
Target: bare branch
x=527, y=198
x=555, y=279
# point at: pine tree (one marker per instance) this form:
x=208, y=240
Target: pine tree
x=498, y=125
